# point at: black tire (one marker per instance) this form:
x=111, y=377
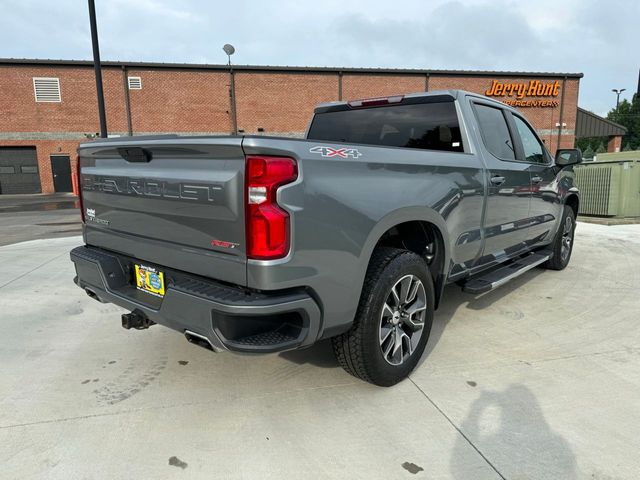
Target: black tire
x=566, y=232
x=360, y=350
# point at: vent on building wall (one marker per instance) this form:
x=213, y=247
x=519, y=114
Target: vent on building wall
x=46, y=89
x=135, y=83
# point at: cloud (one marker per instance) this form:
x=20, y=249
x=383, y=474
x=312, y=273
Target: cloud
x=570, y=36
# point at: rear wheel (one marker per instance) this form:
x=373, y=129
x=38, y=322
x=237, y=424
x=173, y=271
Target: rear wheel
x=563, y=244
x=393, y=320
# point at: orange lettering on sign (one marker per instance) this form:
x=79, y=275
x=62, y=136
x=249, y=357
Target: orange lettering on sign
x=533, y=88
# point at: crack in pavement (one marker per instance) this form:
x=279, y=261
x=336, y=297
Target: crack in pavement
x=33, y=269
x=493, y=467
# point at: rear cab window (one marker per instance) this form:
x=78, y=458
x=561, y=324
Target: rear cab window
x=429, y=123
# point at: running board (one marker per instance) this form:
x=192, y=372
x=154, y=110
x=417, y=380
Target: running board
x=502, y=275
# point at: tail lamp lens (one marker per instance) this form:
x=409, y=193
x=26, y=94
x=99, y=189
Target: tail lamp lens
x=268, y=231
x=79, y=187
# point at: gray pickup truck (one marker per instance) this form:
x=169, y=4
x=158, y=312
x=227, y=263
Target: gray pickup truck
x=260, y=244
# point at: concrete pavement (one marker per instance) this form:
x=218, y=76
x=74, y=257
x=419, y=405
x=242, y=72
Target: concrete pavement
x=28, y=217
x=536, y=380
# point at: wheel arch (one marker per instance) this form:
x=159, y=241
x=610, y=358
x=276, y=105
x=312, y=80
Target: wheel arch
x=572, y=200
x=413, y=228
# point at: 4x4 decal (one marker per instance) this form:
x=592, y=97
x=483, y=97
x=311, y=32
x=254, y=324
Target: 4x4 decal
x=336, y=152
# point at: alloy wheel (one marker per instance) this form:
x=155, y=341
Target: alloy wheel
x=402, y=319
x=567, y=238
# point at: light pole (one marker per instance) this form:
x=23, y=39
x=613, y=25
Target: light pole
x=230, y=50
x=618, y=92
x=97, y=68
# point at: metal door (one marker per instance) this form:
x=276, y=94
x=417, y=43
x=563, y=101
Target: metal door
x=507, y=206
x=19, y=170
x=61, y=170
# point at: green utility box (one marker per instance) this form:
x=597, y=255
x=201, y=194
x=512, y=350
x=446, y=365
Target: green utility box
x=610, y=186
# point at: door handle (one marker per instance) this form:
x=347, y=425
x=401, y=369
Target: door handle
x=536, y=179
x=497, y=180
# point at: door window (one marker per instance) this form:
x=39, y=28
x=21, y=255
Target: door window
x=495, y=132
x=533, y=150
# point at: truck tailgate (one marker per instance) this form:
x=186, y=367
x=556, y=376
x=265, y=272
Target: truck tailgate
x=174, y=202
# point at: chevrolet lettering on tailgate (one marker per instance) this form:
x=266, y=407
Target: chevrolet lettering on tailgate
x=148, y=187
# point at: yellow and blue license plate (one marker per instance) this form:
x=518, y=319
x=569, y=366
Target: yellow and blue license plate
x=150, y=280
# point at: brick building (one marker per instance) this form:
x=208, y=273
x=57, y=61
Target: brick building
x=47, y=107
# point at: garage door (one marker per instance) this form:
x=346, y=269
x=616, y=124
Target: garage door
x=19, y=170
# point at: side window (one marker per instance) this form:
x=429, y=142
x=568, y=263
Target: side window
x=495, y=132
x=533, y=150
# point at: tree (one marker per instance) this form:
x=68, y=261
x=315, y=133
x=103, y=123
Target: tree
x=627, y=147
x=601, y=148
x=588, y=152
x=584, y=144
x=628, y=115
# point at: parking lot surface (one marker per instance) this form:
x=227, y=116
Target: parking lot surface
x=29, y=217
x=539, y=379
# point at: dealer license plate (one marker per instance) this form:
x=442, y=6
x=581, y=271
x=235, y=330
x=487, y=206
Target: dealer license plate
x=150, y=280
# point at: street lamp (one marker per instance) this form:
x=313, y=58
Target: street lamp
x=230, y=50
x=617, y=92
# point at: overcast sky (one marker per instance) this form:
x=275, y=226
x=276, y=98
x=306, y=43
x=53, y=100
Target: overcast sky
x=598, y=38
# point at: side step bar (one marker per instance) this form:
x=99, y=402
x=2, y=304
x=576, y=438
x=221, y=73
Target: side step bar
x=495, y=278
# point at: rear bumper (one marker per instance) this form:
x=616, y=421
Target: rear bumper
x=228, y=317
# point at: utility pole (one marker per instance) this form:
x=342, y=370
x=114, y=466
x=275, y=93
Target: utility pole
x=98, y=69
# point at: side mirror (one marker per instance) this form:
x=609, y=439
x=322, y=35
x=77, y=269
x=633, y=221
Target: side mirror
x=568, y=156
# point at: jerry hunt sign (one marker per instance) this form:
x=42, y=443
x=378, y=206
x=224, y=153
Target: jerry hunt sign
x=533, y=88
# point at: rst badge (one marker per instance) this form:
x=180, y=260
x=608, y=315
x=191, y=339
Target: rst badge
x=335, y=152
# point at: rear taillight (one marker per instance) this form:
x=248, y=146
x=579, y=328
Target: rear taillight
x=268, y=234
x=79, y=187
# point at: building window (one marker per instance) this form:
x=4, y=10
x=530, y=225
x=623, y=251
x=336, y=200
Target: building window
x=135, y=83
x=9, y=169
x=29, y=169
x=47, y=89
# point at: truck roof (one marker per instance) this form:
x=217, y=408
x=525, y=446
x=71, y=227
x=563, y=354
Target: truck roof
x=455, y=94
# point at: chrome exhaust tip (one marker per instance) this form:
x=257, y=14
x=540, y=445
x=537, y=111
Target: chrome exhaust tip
x=200, y=340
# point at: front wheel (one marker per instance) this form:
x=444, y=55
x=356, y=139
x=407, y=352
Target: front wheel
x=393, y=321
x=563, y=243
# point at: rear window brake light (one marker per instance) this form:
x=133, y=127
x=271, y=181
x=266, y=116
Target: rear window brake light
x=374, y=102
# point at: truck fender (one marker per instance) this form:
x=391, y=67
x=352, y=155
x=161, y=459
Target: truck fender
x=396, y=217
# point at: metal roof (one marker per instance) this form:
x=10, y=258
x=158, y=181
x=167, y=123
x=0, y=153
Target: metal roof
x=589, y=124
x=287, y=68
